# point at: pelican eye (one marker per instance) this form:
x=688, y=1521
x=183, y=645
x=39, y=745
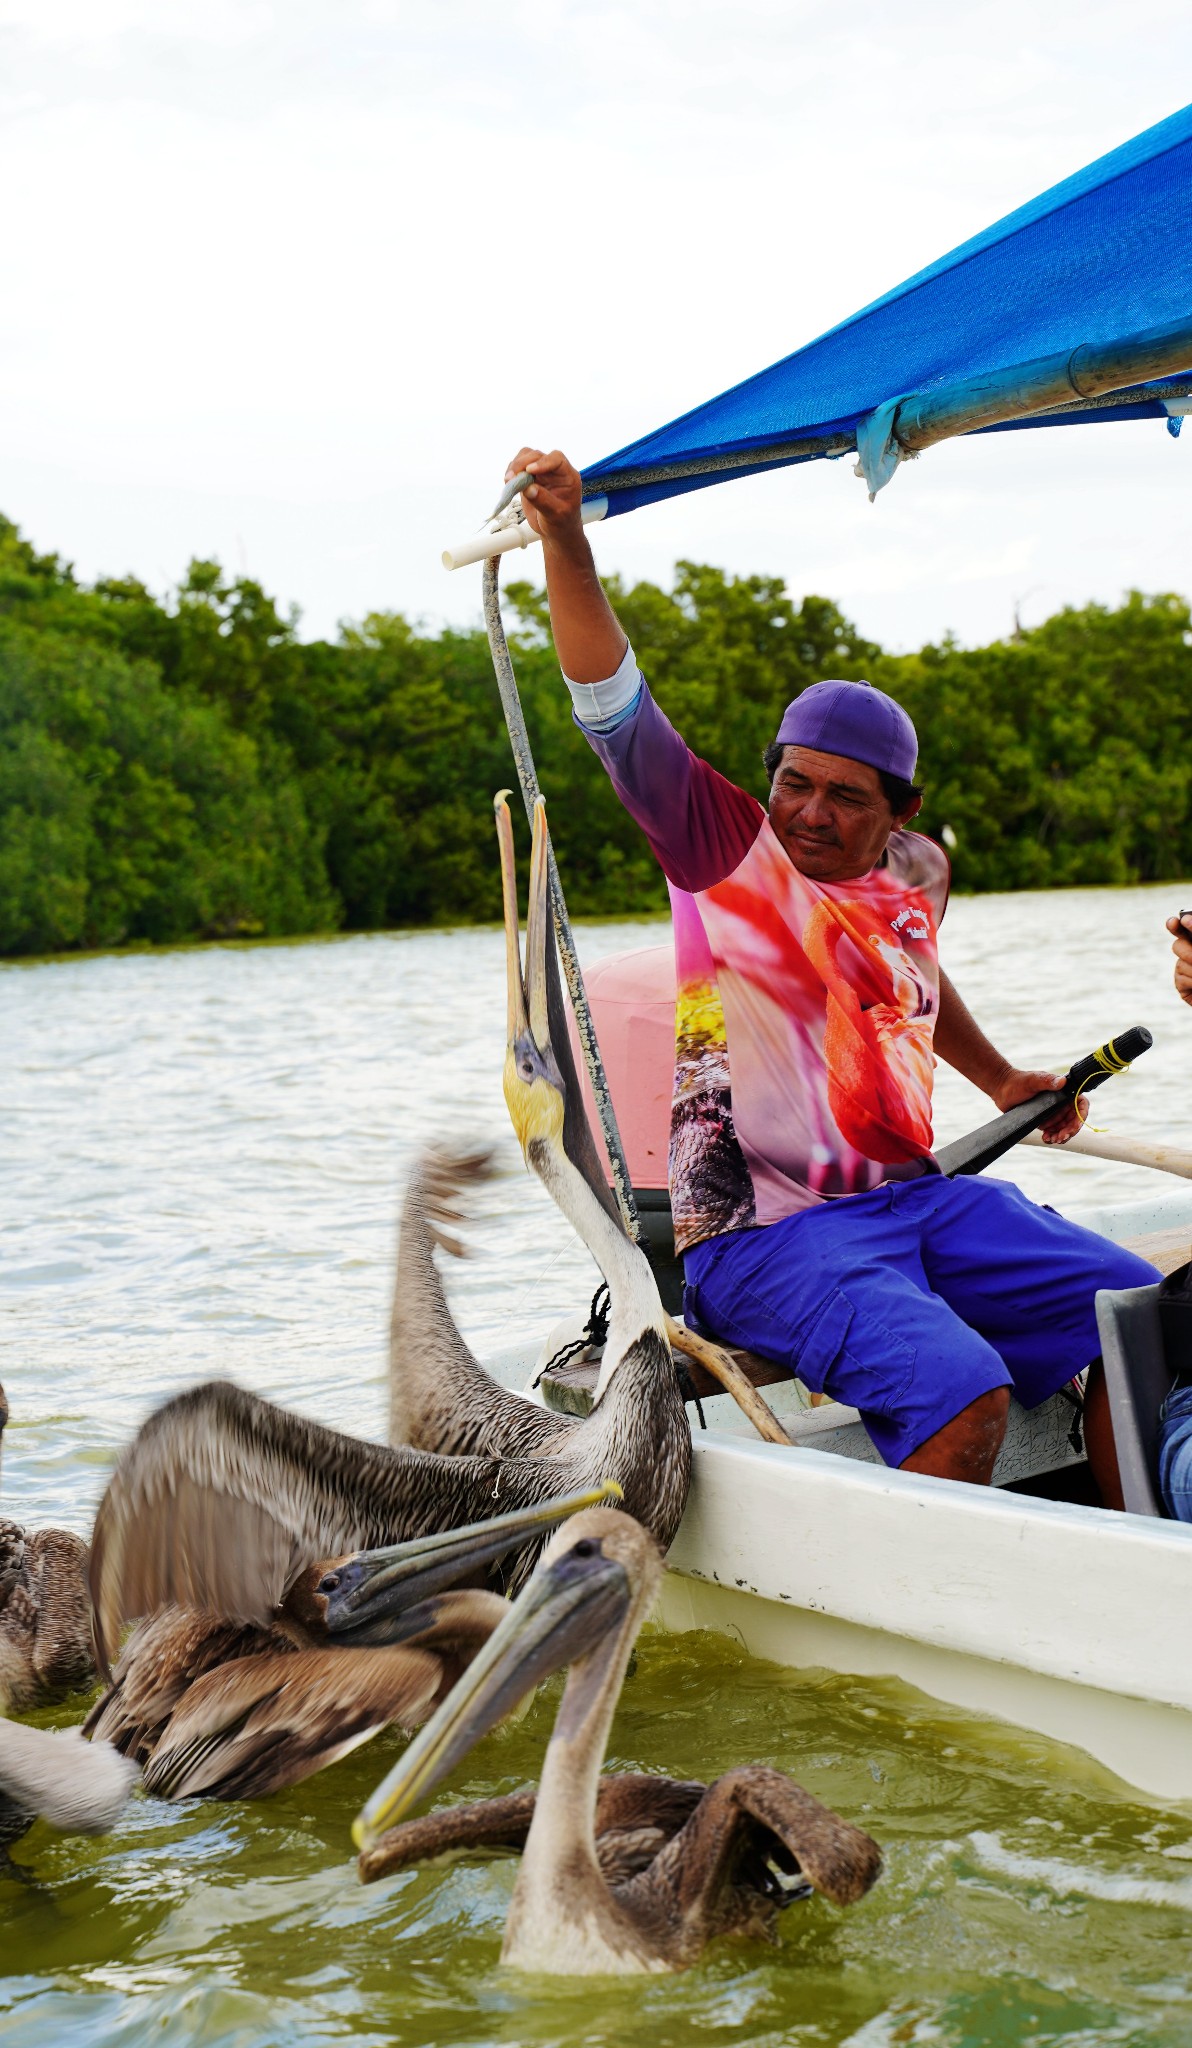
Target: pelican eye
x=586, y=1548
x=330, y=1583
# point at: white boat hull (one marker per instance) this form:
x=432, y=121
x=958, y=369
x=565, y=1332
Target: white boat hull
x=1064, y=1620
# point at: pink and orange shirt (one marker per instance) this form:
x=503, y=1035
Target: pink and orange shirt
x=805, y=1010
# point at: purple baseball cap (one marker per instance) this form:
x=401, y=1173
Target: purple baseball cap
x=856, y=720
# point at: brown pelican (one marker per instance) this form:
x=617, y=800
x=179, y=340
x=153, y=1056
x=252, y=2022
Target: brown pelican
x=725, y=1870
x=223, y=1499
x=53, y=1775
x=216, y=1708
x=45, y=1615
x=441, y=1399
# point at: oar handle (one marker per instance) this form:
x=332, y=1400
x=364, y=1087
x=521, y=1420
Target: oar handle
x=979, y=1149
x=1111, y=1058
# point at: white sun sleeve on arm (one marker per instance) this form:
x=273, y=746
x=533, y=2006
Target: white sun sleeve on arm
x=602, y=707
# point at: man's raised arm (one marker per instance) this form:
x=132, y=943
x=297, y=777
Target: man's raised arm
x=589, y=639
x=699, y=825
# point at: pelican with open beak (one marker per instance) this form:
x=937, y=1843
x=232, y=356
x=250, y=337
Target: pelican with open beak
x=217, y=1708
x=441, y=1399
x=547, y=1113
x=754, y=1840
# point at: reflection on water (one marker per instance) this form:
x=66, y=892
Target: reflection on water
x=202, y=1156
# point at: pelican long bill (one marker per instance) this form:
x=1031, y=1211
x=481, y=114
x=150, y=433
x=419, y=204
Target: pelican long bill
x=571, y=1604
x=380, y=1595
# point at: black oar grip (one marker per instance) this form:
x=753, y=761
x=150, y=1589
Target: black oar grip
x=979, y=1149
x=1111, y=1058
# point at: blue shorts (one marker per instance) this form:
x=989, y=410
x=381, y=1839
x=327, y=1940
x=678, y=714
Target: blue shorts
x=911, y=1301
x=1175, y=1454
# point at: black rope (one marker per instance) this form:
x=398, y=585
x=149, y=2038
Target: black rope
x=595, y=1334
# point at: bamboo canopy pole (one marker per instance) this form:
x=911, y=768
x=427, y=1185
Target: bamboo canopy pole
x=1088, y=371
x=1129, y=1151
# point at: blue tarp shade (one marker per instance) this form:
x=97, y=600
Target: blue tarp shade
x=1103, y=255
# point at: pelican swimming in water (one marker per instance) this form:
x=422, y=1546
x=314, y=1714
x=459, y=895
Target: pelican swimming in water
x=441, y=1399
x=45, y=1615
x=224, y=1499
x=221, y=1709
x=751, y=1841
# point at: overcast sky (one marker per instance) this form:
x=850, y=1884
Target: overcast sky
x=289, y=283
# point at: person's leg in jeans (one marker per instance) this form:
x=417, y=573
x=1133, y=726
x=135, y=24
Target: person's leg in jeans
x=1175, y=1454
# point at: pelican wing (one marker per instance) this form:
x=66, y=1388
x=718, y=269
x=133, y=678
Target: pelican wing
x=222, y=1499
x=440, y=1398
x=254, y=1726
x=483, y=1827
x=636, y=1816
x=752, y=1818
x=162, y=1659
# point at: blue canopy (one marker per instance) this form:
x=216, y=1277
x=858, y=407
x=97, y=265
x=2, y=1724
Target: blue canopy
x=1103, y=255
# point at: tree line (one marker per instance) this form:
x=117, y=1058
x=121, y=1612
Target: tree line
x=189, y=768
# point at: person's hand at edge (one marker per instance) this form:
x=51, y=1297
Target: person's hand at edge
x=1183, y=959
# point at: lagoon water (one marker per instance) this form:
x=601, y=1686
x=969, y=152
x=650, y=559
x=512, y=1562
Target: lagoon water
x=201, y=1156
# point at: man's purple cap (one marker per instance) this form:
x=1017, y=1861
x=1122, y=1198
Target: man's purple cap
x=856, y=720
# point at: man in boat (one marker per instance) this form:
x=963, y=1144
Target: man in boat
x=814, y=1224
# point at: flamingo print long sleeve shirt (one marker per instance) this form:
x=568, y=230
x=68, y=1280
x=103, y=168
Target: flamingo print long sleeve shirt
x=805, y=1010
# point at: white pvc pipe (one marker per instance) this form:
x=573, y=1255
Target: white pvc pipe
x=497, y=537
x=1129, y=1151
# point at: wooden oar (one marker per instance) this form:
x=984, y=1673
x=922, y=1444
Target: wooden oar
x=1130, y=1151
x=732, y=1379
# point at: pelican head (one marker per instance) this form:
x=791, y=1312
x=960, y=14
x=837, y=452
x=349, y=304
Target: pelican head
x=584, y=1602
x=535, y=1093
x=383, y=1596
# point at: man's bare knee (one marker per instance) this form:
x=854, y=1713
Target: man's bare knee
x=966, y=1447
